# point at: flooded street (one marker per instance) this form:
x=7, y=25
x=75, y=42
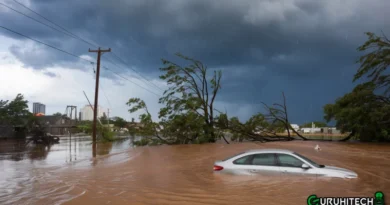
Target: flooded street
x=180, y=174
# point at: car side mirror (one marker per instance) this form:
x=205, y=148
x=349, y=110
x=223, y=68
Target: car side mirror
x=305, y=166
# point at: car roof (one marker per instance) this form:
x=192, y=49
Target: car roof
x=269, y=151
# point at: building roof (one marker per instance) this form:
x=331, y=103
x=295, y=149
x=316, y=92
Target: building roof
x=51, y=118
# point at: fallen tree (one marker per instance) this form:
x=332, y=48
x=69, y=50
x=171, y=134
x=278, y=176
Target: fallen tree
x=278, y=113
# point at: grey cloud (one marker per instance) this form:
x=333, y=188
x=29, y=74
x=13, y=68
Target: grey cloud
x=259, y=44
x=50, y=74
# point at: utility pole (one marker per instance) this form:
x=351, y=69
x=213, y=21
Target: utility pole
x=99, y=53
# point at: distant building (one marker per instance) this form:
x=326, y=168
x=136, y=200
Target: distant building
x=56, y=125
x=39, y=108
x=295, y=126
x=86, y=112
x=311, y=130
x=325, y=130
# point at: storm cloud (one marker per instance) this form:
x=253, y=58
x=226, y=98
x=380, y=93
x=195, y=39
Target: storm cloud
x=305, y=48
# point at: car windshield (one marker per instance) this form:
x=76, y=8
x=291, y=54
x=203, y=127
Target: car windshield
x=309, y=160
x=233, y=156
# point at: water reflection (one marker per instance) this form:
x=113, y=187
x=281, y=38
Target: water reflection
x=70, y=149
x=24, y=167
x=17, y=150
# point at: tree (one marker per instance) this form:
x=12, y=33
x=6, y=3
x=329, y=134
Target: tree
x=14, y=112
x=316, y=123
x=190, y=90
x=362, y=113
x=149, y=127
x=278, y=113
x=375, y=63
x=188, y=112
x=257, y=128
x=103, y=119
x=57, y=114
x=119, y=122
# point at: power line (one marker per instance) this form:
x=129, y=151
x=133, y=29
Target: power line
x=135, y=70
x=131, y=81
x=104, y=93
x=15, y=32
x=67, y=32
x=27, y=16
x=137, y=78
x=74, y=55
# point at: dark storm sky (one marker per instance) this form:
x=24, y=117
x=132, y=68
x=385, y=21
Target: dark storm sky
x=306, y=48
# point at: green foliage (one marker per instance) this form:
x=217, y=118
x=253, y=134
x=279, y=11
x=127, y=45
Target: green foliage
x=85, y=126
x=119, y=122
x=362, y=112
x=15, y=112
x=142, y=142
x=258, y=127
x=190, y=90
x=104, y=120
x=374, y=64
x=57, y=114
x=106, y=134
x=316, y=123
x=188, y=112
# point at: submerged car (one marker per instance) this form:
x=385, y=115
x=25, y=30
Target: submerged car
x=278, y=162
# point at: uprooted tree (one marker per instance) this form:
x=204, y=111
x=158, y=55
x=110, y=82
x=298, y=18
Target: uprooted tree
x=190, y=91
x=261, y=127
x=278, y=113
x=188, y=112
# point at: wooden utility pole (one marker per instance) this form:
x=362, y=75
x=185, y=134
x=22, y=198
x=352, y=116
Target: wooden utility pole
x=99, y=53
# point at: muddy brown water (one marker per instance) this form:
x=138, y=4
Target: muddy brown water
x=183, y=174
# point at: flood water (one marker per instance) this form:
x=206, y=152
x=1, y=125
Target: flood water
x=180, y=174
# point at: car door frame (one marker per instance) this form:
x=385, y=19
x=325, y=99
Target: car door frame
x=251, y=169
x=296, y=171
x=242, y=168
x=266, y=170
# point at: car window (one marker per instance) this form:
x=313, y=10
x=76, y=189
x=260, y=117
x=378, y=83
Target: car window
x=308, y=160
x=264, y=160
x=243, y=160
x=286, y=160
x=233, y=156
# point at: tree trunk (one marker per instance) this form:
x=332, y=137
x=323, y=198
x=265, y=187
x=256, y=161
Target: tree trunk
x=348, y=137
x=299, y=134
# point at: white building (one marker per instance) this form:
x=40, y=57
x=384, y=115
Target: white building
x=311, y=130
x=87, y=112
x=295, y=126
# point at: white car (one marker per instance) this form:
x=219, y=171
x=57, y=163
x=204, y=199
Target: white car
x=278, y=162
